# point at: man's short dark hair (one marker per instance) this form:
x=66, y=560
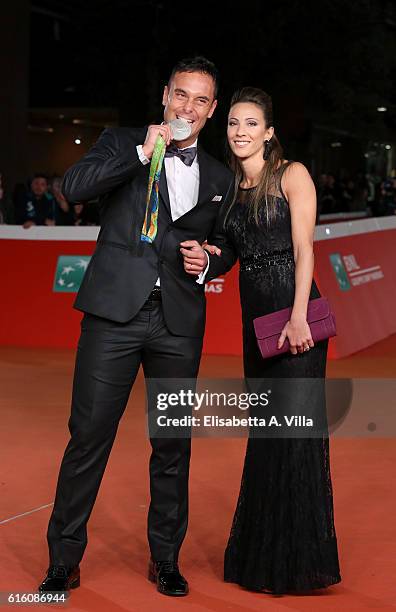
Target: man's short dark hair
x=40, y=175
x=197, y=64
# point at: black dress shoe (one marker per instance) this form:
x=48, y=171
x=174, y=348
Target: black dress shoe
x=168, y=578
x=60, y=578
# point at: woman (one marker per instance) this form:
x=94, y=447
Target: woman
x=283, y=537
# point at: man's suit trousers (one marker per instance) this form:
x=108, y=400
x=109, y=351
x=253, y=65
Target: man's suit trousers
x=108, y=358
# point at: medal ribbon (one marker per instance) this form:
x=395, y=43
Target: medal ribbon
x=150, y=225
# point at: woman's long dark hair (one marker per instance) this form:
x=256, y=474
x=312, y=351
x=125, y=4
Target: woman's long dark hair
x=273, y=158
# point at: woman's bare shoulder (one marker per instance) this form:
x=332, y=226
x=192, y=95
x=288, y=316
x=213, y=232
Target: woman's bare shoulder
x=295, y=172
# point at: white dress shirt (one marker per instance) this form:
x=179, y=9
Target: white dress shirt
x=183, y=189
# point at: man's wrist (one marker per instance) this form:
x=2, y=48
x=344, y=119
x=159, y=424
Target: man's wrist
x=142, y=155
x=201, y=276
x=145, y=151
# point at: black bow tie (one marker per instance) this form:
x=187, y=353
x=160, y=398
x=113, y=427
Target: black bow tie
x=186, y=155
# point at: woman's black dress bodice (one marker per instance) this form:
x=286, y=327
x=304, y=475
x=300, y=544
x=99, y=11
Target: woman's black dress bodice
x=267, y=273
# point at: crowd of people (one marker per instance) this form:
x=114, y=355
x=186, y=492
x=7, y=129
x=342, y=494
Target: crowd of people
x=41, y=202
x=368, y=194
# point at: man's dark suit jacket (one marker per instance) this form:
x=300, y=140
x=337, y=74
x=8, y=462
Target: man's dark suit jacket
x=123, y=270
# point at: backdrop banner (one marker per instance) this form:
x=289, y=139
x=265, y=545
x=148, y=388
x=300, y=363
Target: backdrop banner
x=355, y=268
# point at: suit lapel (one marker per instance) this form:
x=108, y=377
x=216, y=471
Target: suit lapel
x=163, y=190
x=207, y=184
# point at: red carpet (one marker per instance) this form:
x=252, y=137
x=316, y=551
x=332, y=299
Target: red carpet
x=35, y=406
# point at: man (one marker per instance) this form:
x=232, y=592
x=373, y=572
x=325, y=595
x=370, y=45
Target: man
x=140, y=308
x=38, y=208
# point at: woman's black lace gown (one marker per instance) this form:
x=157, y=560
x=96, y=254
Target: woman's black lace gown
x=283, y=537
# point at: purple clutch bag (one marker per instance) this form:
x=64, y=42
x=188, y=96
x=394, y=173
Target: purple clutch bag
x=268, y=328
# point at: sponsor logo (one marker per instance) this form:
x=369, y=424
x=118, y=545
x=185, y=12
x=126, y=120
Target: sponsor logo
x=340, y=271
x=69, y=273
x=349, y=274
x=215, y=286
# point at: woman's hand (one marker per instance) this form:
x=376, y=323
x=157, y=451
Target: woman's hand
x=211, y=248
x=298, y=334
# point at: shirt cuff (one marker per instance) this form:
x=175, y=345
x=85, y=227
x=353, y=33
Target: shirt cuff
x=145, y=160
x=201, y=277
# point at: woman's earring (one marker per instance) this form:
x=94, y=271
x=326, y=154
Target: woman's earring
x=267, y=149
